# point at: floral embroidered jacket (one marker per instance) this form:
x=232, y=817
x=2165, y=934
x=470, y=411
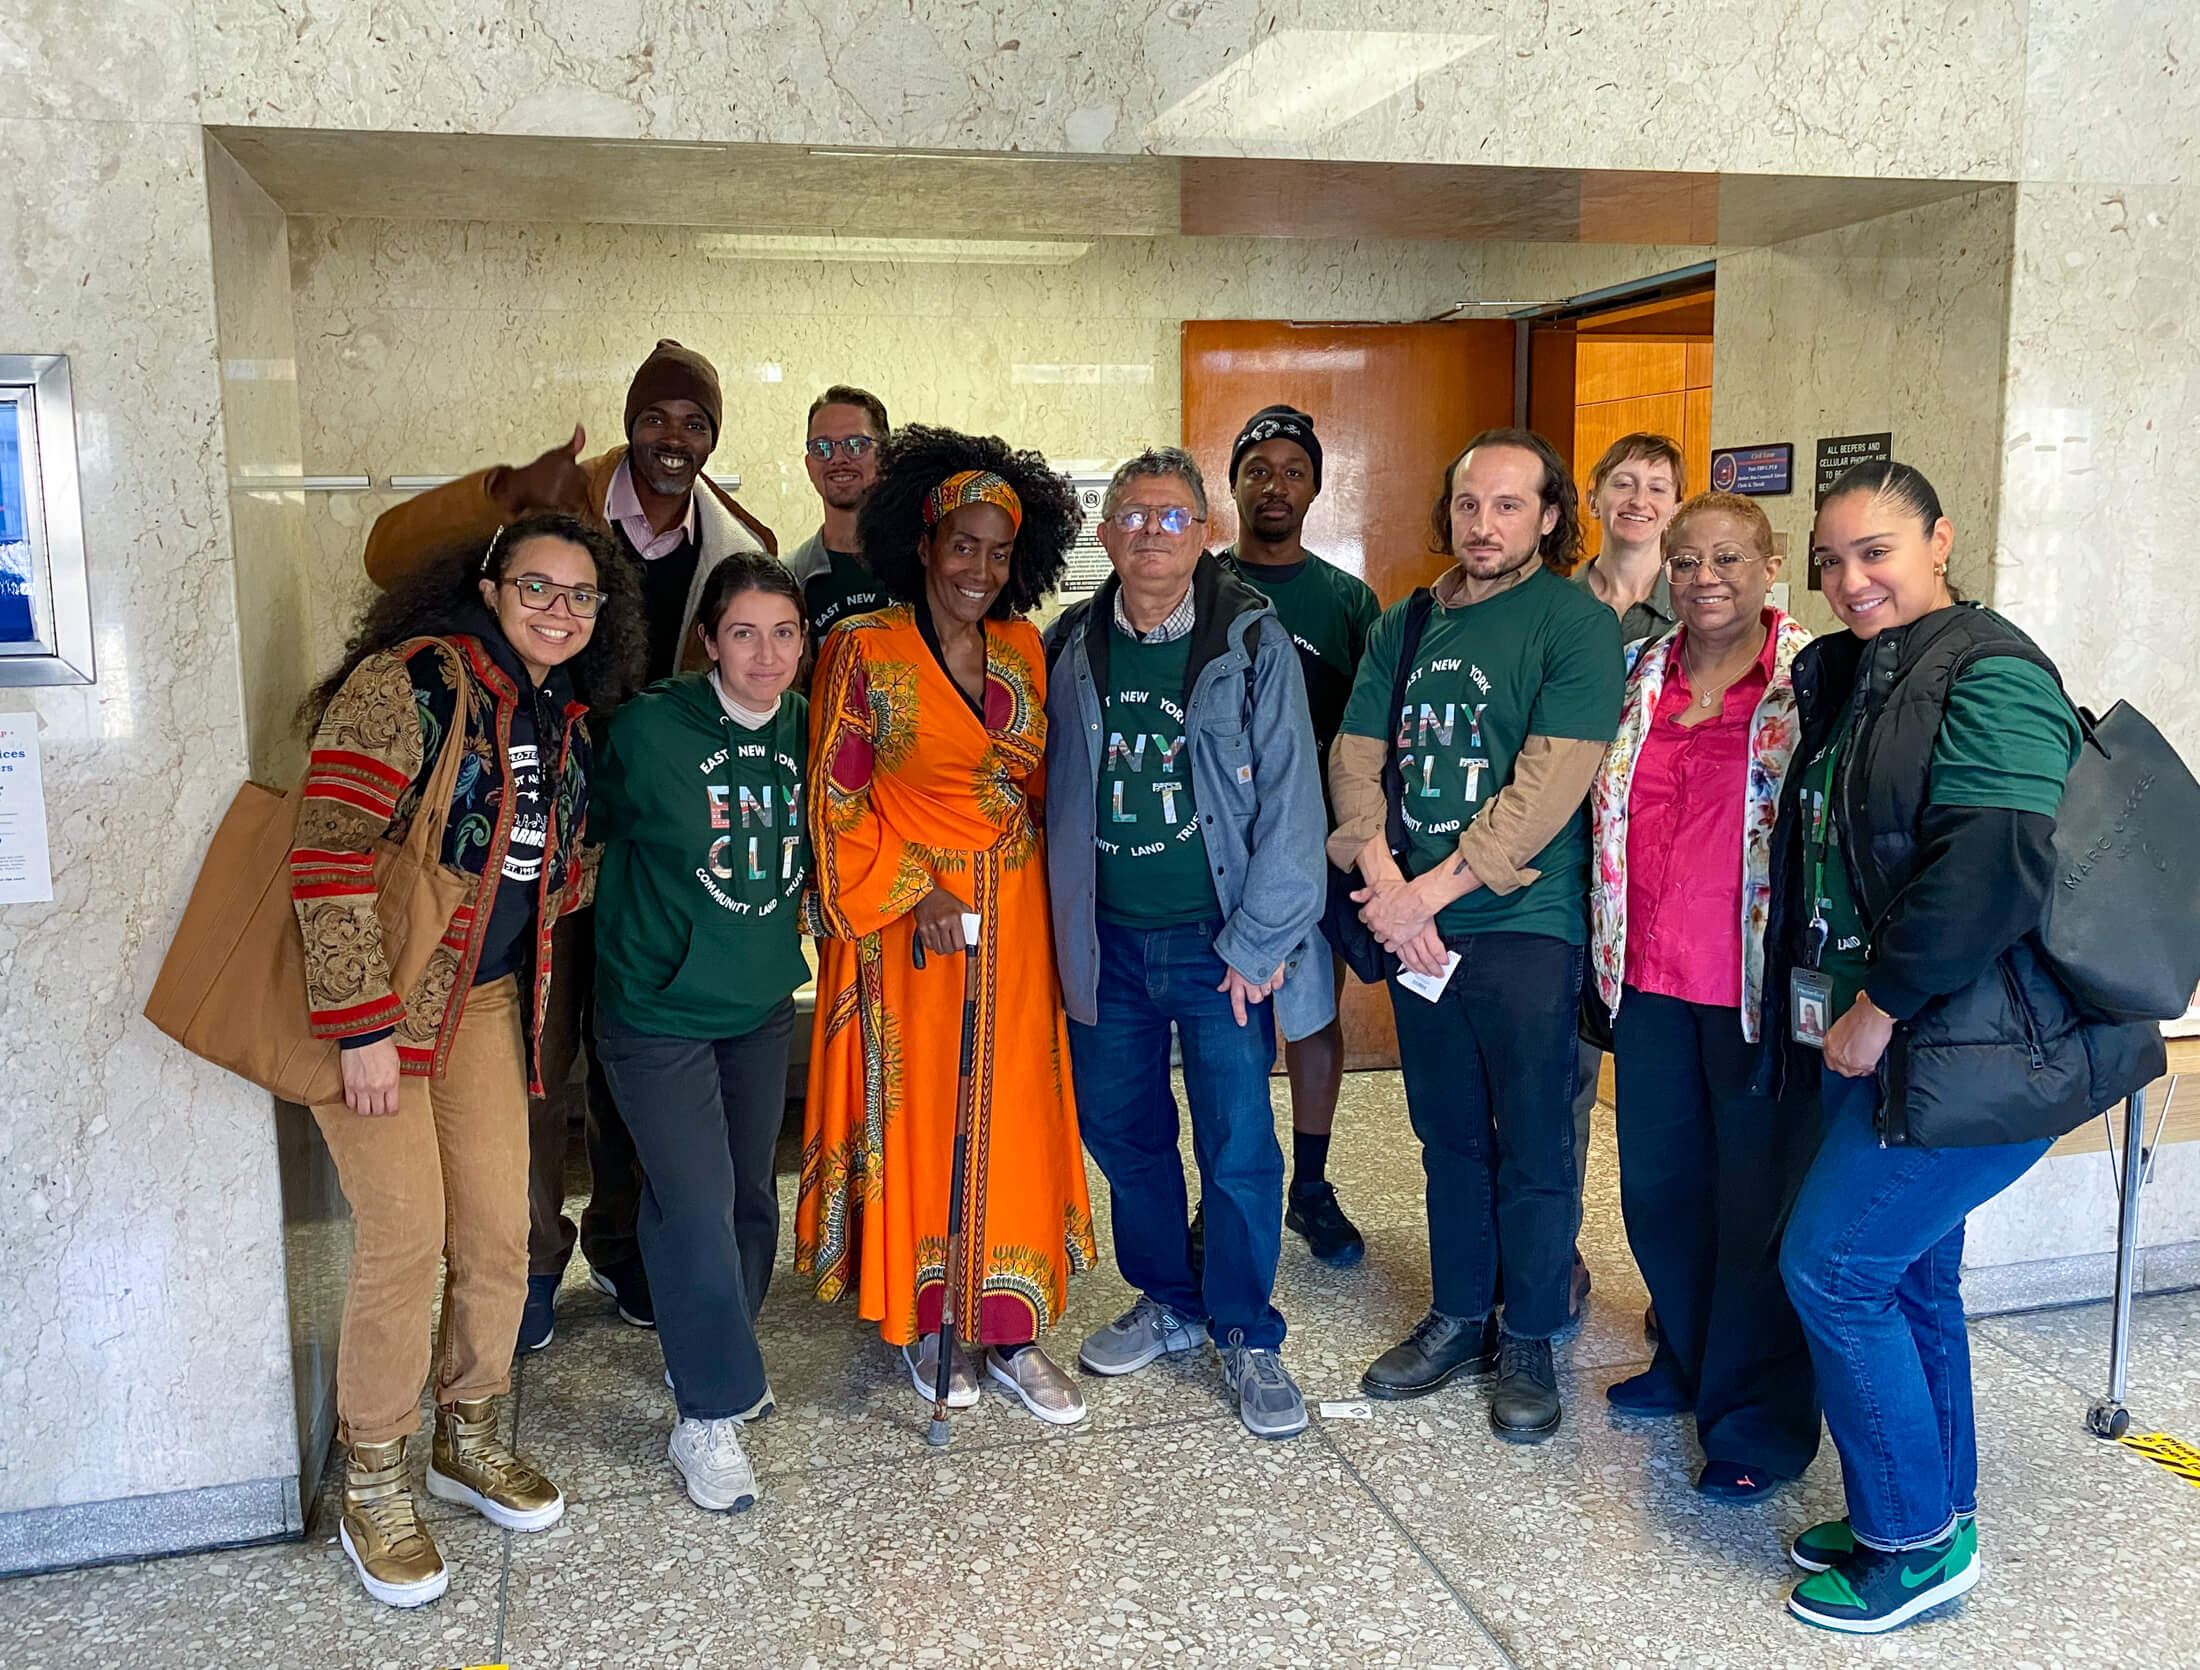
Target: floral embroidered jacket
x=372, y=756
x=1772, y=737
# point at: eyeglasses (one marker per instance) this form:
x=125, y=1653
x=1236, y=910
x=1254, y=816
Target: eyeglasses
x=1168, y=518
x=581, y=601
x=1687, y=565
x=850, y=447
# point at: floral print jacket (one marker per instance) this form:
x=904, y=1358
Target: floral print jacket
x=1772, y=736
x=372, y=757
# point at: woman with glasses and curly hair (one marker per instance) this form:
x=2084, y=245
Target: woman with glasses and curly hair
x=927, y=733
x=501, y=649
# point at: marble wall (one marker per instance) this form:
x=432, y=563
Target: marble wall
x=139, y=1219
x=434, y=347
x=1895, y=324
x=1930, y=89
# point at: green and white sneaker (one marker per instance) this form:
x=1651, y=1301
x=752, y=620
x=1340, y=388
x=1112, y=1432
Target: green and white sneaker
x=1867, y=1592
x=1830, y=1541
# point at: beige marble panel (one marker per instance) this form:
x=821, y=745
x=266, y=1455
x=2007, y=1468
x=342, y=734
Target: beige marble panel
x=427, y=348
x=117, y=60
x=1897, y=324
x=2110, y=97
x=267, y=507
x=2100, y=471
x=145, y=1347
x=1928, y=90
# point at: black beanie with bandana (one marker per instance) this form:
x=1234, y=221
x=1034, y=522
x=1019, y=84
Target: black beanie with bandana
x=1272, y=423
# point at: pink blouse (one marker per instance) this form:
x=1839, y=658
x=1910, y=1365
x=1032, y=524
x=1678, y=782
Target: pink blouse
x=1684, y=842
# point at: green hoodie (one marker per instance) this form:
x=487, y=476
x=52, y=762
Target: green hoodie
x=698, y=906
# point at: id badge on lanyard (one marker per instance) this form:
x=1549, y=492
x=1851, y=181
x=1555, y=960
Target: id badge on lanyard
x=1810, y=992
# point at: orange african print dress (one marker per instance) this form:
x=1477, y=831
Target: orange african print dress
x=909, y=788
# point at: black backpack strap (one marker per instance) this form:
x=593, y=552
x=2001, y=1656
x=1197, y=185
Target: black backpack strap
x=1418, y=610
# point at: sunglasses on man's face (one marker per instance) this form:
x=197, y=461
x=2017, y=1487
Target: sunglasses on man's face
x=849, y=446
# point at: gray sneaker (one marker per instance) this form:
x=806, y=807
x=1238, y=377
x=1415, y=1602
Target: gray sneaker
x=1268, y=1402
x=1144, y=1332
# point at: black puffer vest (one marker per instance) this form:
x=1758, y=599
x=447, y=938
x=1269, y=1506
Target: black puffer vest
x=2009, y=1058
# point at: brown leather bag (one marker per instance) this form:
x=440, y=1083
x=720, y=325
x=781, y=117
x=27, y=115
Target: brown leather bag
x=232, y=989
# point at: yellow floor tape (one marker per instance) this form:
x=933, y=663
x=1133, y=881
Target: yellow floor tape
x=2164, y=1451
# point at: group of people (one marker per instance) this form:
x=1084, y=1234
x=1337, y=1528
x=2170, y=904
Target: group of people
x=1792, y=885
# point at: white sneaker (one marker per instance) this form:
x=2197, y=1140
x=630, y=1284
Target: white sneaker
x=1039, y=1384
x=924, y=1369
x=756, y=1411
x=709, y=1457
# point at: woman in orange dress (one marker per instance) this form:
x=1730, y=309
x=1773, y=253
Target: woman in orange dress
x=927, y=733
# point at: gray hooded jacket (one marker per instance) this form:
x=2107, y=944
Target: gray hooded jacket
x=1255, y=777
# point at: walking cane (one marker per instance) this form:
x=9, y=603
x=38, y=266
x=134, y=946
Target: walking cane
x=965, y=1096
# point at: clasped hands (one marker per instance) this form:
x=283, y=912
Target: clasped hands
x=1401, y=914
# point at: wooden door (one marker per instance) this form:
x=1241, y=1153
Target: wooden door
x=1393, y=405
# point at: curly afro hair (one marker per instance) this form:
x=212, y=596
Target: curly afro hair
x=441, y=598
x=918, y=458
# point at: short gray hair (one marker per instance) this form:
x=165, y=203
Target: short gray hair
x=1157, y=461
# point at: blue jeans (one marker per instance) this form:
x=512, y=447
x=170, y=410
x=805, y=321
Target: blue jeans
x=1873, y=1260
x=1489, y=1071
x=1151, y=978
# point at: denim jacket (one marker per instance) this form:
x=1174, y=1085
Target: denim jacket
x=1256, y=780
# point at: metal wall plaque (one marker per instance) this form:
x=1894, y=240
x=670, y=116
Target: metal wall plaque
x=45, y=597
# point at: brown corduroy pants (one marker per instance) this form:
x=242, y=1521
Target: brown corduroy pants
x=444, y=1179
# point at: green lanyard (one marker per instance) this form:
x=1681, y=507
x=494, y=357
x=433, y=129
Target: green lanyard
x=1816, y=843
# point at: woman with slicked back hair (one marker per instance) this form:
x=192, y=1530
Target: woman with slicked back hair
x=1911, y=861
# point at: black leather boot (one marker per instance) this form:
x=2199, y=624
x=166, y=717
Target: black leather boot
x=1440, y=1348
x=1524, y=1405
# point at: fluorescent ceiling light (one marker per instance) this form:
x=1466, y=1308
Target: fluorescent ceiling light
x=996, y=252
x=1302, y=82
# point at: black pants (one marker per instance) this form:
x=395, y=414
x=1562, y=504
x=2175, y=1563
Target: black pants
x=1707, y=1174
x=705, y=1116
x=615, y=1175
x=1489, y=1071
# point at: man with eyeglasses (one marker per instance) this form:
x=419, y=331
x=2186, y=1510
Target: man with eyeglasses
x=1275, y=476
x=841, y=453
x=1184, y=854
x=676, y=525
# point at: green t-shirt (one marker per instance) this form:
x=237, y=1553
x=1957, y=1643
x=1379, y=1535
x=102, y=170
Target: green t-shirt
x=1328, y=613
x=2008, y=738
x=698, y=927
x=847, y=588
x=1150, y=860
x=1540, y=659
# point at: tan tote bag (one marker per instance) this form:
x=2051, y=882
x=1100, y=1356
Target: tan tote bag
x=232, y=989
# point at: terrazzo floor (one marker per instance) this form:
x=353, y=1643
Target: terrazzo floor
x=1158, y=1533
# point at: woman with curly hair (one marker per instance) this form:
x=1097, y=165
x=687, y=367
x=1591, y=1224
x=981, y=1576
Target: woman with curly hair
x=500, y=651
x=927, y=732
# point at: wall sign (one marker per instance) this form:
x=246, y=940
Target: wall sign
x=26, y=873
x=1839, y=453
x=1760, y=471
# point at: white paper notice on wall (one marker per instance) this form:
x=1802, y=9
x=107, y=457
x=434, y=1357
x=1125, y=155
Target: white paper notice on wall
x=26, y=872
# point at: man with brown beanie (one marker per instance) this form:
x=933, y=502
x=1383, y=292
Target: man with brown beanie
x=645, y=494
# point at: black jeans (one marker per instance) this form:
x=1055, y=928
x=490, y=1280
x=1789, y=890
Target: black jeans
x=705, y=1117
x=1489, y=1071
x=1707, y=1175
x=615, y=1175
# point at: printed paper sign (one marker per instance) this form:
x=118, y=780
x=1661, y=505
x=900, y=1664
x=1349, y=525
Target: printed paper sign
x=26, y=871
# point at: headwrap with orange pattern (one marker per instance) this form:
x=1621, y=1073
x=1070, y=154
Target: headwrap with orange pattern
x=972, y=487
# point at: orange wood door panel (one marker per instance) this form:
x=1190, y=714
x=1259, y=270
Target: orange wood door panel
x=1393, y=405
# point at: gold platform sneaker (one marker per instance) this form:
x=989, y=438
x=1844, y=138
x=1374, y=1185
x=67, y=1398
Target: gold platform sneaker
x=470, y=1465
x=395, y=1557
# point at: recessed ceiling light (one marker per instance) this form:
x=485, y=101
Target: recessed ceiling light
x=997, y=252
